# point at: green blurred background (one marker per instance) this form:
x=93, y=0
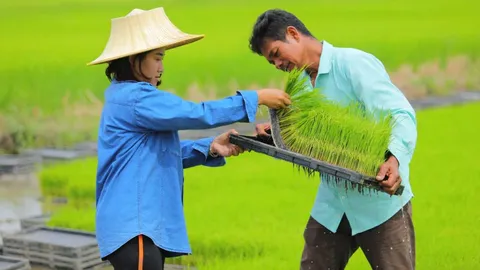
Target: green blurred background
x=46, y=44
x=251, y=214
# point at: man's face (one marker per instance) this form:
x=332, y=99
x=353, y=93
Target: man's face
x=285, y=55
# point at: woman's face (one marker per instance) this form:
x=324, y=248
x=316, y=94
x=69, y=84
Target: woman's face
x=150, y=68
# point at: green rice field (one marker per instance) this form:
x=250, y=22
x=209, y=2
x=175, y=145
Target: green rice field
x=251, y=213
x=49, y=97
x=46, y=44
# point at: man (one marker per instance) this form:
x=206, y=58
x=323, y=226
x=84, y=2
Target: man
x=342, y=221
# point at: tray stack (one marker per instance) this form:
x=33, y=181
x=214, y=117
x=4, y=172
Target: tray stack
x=34, y=222
x=55, y=248
x=18, y=164
x=50, y=155
x=14, y=263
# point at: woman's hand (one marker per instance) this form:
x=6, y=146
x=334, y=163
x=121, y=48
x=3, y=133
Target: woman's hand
x=221, y=145
x=273, y=98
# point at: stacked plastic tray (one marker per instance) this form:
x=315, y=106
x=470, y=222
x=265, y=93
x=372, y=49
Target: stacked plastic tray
x=55, y=248
x=34, y=222
x=49, y=155
x=14, y=263
x=18, y=164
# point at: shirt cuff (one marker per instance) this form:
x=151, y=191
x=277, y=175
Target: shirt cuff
x=398, y=150
x=203, y=146
x=251, y=103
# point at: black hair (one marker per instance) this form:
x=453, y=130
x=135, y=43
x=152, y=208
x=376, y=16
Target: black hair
x=272, y=24
x=121, y=69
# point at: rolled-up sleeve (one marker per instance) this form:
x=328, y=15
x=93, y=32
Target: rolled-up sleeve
x=375, y=90
x=163, y=111
x=195, y=152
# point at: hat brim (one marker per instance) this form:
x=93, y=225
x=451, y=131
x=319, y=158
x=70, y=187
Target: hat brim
x=167, y=46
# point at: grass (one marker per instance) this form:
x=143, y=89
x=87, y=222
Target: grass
x=48, y=43
x=251, y=213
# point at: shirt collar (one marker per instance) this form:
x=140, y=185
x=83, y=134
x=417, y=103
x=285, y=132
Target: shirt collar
x=325, y=63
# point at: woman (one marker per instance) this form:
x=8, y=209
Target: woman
x=140, y=219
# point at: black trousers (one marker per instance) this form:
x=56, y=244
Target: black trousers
x=140, y=253
x=391, y=245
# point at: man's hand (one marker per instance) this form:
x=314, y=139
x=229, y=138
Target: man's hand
x=221, y=145
x=261, y=129
x=389, y=169
x=273, y=98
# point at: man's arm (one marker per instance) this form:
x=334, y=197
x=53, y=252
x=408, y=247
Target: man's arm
x=373, y=87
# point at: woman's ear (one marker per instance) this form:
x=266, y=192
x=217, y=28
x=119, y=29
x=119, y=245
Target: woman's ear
x=132, y=59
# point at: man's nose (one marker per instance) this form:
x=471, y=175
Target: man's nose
x=278, y=64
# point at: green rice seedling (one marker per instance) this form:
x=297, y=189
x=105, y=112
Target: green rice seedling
x=53, y=184
x=346, y=136
x=81, y=192
x=72, y=217
x=74, y=180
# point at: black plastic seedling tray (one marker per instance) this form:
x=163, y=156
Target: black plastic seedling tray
x=265, y=145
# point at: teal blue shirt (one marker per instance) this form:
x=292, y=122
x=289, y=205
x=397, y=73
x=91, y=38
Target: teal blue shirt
x=347, y=75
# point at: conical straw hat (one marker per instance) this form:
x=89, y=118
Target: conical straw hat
x=142, y=31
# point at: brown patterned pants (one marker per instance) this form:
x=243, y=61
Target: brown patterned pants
x=390, y=245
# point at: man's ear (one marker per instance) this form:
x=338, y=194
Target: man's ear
x=293, y=33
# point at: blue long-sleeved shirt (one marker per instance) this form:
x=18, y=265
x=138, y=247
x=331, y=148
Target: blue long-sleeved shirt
x=139, y=188
x=346, y=75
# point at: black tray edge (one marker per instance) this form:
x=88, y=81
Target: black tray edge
x=249, y=143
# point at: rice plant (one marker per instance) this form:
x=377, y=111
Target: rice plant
x=72, y=217
x=53, y=184
x=74, y=180
x=314, y=126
